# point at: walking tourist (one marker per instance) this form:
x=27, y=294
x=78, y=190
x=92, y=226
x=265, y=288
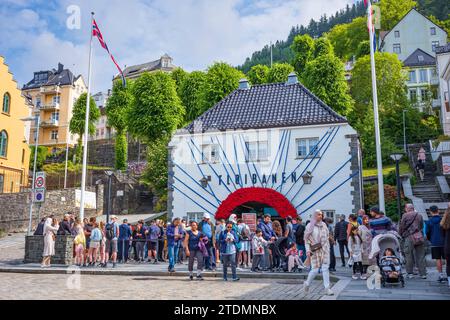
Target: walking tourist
x=96, y=238
x=379, y=223
x=244, y=234
x=102, y=245
x=112, y=235
x=152, y=241
x=355, y=245
x=299, y=238
x=191, y=244
x=340, y=235
x=269, y=235
x=421, y=157
x=366, y=237
x=124, y=241
x=318, y=250
x=258, y=245
x=329, y=222
x=174, y=233
x=220, y=226
x=445, y=226
x=80, y=245
x=160, y=224
x=207, y=228
x=49, y=232
x=434, y=235
x=227, y=239
x=411, y=227
x=139, y=241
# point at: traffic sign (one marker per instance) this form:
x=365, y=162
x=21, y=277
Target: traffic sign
x=39, y=195
x=39, y=181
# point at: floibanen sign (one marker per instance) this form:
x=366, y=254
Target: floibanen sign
x=253, y=179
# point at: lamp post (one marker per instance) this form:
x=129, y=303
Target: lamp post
x=37, y=120
x=109, y=174
x=404, y=132
x=397, y=157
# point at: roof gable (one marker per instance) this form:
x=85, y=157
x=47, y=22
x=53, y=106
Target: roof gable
x=267, y=106
x=419, y=58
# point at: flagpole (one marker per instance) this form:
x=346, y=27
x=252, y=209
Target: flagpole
x=375, y=114
x=86, y=127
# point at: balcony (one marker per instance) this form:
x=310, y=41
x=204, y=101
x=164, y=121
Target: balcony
x=50, y=90
x=52, y=123
x=50, y=106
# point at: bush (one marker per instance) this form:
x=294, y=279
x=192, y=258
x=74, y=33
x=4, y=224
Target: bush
x=161, y=204
x=390, y=178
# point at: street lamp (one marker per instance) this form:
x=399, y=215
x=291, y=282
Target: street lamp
x=404, y=132
x=109, y=174
x=397, y=157
x=37, y=120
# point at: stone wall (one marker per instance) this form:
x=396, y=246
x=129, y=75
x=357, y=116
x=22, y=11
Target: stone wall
x=15, y=207
x=102, y=152
x=356, y=168
x=34, y=247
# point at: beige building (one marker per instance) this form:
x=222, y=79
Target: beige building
x=14, y=150
x=54, y=93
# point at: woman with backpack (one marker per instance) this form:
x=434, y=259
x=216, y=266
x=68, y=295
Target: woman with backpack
x=244, y=234
x=191, y=244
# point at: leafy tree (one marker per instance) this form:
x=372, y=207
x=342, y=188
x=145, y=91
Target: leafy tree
x=392, y=11
x=191, y=95
x=322, y=46
x=156, y=109
x=279, y=72
x=42, y=153
x=155, y=174
x=116, y=110
x=258, y=74
x=325, y=77
x=346, y=38
x=363, y=49
x=221, y=80
x=179, y=75
x=77, y=123
x=303, y=48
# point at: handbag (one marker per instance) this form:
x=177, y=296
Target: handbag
x=315, y=247
x=416, y=237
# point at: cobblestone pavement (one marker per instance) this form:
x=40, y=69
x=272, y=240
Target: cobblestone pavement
x=60, y=286
x=12, y=248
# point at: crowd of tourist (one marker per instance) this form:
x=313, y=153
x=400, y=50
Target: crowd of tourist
x=233, y=245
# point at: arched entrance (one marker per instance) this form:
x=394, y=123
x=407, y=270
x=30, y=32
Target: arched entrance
x=266, y=196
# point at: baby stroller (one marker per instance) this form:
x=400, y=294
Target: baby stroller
x=390, y=266
x=280, y=247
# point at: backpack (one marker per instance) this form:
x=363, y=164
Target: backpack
x=109, y=231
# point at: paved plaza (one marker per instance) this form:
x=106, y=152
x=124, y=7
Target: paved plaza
x=148, y=281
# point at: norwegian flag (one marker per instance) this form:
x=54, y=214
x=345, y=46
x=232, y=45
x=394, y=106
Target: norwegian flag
x=96, y=33
x=370, y=24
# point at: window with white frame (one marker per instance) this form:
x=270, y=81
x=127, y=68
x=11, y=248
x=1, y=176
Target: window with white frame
x=56, y=100
x=54, y=135
x=256, y=151
x=413, y=95
x=424, y=95
x=397, y=48
x=434, y=44
x=397, y=34
x=412, y=76
x=210, y=153
x=38, y=101
x=432, y=31
x=423, y=75
x=307, y=147
x=194, y=216
x=55, y=116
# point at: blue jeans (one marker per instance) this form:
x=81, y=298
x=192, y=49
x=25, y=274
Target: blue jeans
x=301, y=247
x=228, y=259
x=210, y=260
x=172, y=251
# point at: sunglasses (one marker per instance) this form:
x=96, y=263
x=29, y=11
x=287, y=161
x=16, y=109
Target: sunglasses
x=229, y=227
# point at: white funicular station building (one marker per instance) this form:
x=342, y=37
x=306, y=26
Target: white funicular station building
x=273, y=148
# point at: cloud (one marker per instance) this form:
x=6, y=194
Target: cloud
x=194, y=32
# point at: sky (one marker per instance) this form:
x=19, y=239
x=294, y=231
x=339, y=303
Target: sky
x=35, y=34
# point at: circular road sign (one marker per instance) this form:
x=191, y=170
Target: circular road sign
x=39, y=182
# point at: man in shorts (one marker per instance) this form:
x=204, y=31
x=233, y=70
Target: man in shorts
x=112, y=235
x=434, y=235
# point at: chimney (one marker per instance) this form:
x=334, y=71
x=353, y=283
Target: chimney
x=292, y=78
x=60, y=67
x=243, y=84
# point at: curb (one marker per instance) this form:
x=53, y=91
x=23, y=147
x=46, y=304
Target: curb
x=111, y=272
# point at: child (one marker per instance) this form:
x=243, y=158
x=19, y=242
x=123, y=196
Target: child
x=355, y=246
x=293, y=257
x=390, y=263
x=258, y=244
x=80, y=245
x=96, y=238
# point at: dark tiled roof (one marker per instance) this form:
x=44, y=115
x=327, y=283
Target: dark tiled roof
x=267, y=106
x=443, y=49
x=413, y=59
x=149, y=66
x=54, y=77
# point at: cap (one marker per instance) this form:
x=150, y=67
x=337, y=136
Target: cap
x=206, y=216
